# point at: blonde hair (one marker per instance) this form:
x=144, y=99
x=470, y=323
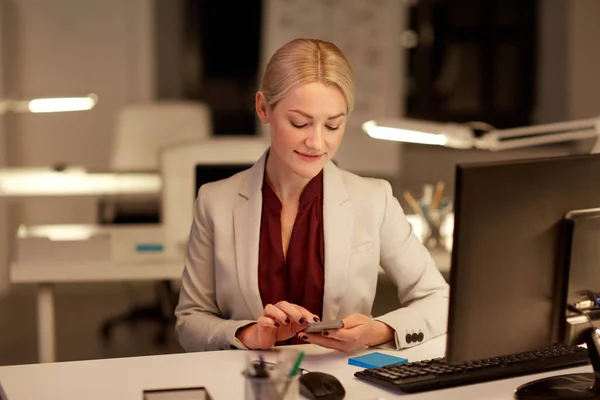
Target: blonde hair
x=306, y=61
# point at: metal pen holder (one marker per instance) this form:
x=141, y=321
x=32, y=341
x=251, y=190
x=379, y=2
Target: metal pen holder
x=433, y=221
x=433, y=210
x=272, y=388
x=273, y=381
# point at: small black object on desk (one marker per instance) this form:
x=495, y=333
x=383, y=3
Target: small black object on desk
x=59, y=166
x=321, y=386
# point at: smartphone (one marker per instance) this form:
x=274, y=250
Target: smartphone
x=315, y=327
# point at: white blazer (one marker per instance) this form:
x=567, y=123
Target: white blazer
x=364, y=227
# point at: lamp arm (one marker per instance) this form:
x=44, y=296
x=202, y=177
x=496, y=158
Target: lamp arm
x=505, y=139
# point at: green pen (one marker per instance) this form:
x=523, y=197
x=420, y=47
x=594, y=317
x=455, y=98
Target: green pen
x=296, y=366
x=291, y=374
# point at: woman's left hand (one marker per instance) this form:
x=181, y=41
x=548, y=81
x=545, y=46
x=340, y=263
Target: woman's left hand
x=358, y=331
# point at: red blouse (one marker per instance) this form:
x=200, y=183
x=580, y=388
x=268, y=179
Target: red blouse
x=299, y=277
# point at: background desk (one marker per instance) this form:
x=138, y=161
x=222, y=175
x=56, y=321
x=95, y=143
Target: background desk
x=45, y=276
x=37, y=182
x=20, y=183
x=220, y=373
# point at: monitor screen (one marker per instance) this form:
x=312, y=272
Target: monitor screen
x=504, y=277
x=206, y=173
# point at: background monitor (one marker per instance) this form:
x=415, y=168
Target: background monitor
x=505, y=284
x=206, y=173
x=581, y=273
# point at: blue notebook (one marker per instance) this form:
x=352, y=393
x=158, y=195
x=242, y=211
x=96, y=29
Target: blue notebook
x=376, y=359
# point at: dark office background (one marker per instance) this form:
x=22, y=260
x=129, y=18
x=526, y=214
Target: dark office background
x=225, y=46
x=475, y=61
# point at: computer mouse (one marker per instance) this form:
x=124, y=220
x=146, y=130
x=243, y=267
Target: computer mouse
x=59, y=167
x=321, y=386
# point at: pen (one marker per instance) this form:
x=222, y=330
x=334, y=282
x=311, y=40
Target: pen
x=261, y=369
x=437, y=195
x=274, y=367
x=293, y=371
x=413, y=203
x=296, y=366
x=256, y=368
x=427, y=195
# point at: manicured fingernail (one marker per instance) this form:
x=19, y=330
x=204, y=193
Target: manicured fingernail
x=276, y=323
x=316, y=319
x=304, y=337
x=287, y=320
x=301, y=320
x=325, y=333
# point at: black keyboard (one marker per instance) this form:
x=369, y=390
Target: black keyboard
x=436, y=374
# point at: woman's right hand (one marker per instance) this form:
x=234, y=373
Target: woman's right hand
x=278, y=322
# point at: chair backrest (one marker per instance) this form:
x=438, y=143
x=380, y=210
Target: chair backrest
x=142, y=130
x=178, y=168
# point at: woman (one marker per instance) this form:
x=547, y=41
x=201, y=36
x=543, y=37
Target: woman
x=294, y=239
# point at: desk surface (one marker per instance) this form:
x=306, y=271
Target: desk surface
x=37, y=182
x=220, y=373
x=64, y=260
x=97, y=271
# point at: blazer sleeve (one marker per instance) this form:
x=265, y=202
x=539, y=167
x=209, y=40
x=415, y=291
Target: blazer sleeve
x=200, y=325
x=422, y=291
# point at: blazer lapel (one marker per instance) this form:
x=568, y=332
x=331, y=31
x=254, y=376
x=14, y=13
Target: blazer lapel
x=338, y=227
x=246, y=221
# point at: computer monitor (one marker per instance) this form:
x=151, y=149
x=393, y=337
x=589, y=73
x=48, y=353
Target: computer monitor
x=581, y=273
x=206, y=173
x=507, y=281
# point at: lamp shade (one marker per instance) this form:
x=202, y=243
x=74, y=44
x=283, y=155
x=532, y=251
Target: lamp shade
x=421, y=132
x=48, y=104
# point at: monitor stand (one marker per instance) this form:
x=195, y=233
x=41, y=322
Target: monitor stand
x=583, y=386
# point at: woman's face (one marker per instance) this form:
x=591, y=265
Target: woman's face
x=306, y=127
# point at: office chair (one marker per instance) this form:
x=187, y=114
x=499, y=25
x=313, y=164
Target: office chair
x=142, y=130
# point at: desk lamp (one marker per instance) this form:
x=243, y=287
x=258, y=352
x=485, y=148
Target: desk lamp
x=27, y=181
x=485, y=137
x=48, y=104
x=477, y=135
x=482, y=136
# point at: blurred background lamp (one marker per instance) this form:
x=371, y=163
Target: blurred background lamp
x=49, y=104
x=421, y=132
x=481, y=135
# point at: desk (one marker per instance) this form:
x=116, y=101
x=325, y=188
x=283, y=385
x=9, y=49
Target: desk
x=37, y=182
x=23, y=182
x=100, y=271
x=220, y=373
